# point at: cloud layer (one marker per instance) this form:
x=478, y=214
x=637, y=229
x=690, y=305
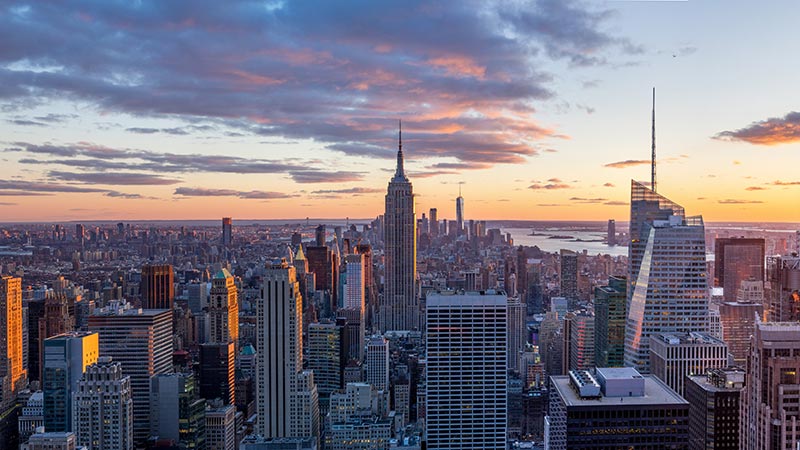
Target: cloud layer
x=772, y=131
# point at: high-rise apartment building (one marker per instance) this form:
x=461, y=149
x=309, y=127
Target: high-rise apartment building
x=467, y=398
x=399, y=309
x=667, y=274
x=568, y=271
x=770, y=418
x=158, y=288
x=66, y=357
x=227, y=231
x=610, y=316
x=737, y=260
x=102, y=407
x=714, y=399
x=616, y=408
x=287, y=401
x=674, y=356
x=141, y=341
x=12, y=372
x=377, y=360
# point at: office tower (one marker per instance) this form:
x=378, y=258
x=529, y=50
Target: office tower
x=673, y=356
x=668, y=269
x=370, y=290
x=569, y=277
x=609, y=323
x=157, y=288
x=620, y=408
x=52, y=441
x=325, y=357
x=399, y=308
x=55, y=320
x=783, y=288
x=738, y=320
x=467, y=343
x=516, y=332
x=221, y=428
x=223, y=310
x=579, y=342
x=321, y=262
x=354, y=282
x=141, y=341
x=714, y=400
x=102, y=407
x=459, y=212
x=35, y=312
x=198, y=298
x=434, y=222
x=377, y=361
x=353, y=334
x=176, y=411
x=737, y=260
x=559, y=305
x=358, y=419
x=66, y=357
x=769, y=410
x=32, y=416
x=611, y=236
x=320, y=236
x=217, y=372
x=287, y=397
x=227, y=231
x=12, y=373
x=551, y=343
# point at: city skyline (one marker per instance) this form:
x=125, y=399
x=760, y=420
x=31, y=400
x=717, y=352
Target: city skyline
x=537, y=122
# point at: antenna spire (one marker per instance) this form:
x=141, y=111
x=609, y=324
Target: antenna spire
x=653, y=144
x=400, y=173
x=400, y=136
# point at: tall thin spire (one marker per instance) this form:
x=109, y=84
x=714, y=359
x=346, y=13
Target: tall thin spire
x=400, y=173
x=653, y=143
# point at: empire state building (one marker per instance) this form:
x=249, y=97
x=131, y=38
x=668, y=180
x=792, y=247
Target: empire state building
x=399, y=308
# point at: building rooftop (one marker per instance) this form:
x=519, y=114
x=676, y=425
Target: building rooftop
x=655, y=393
x=686, y=338
x=468, y=298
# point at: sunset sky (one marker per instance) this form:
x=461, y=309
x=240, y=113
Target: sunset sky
x=125, y=110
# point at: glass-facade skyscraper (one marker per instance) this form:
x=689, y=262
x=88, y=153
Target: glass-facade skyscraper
x=668, y=279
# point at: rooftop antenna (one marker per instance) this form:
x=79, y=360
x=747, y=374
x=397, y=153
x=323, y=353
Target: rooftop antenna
x=459, y=187
x=653, y=160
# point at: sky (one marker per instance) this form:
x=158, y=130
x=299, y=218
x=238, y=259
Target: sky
x=538, y=110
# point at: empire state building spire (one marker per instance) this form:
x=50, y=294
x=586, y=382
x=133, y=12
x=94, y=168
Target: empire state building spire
x=399, y=172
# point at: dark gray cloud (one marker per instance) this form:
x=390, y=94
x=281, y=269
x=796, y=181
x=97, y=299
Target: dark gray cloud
x=116, y=194
x=315, y=176
x=36, y=187
x=204, y=192
x=337, y=73
x=772, y=131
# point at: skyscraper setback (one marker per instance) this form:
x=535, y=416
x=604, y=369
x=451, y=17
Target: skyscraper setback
x=399, y=309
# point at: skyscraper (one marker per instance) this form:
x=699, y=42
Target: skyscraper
x=609, y=328
x=611, y=236
x=770, y=418
x=223, y=310
x=227, y=231
x=287, y=397
x=157, y=288
x=141, y=341
x=783, y=288
x=378, y=363
x=325, y=357
x=12, y=372
x=714, y=399
x=66, y=357
x=668, y=264
x=569, y=277
x=737, y=260
x=102, y=408
x=674, y=356
x=467, y=398
x=516, y=332
x=459, y=212
x=217, y=371
x=580, y=328
x=399, y=308
x=176, y=411
x=433, y=223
